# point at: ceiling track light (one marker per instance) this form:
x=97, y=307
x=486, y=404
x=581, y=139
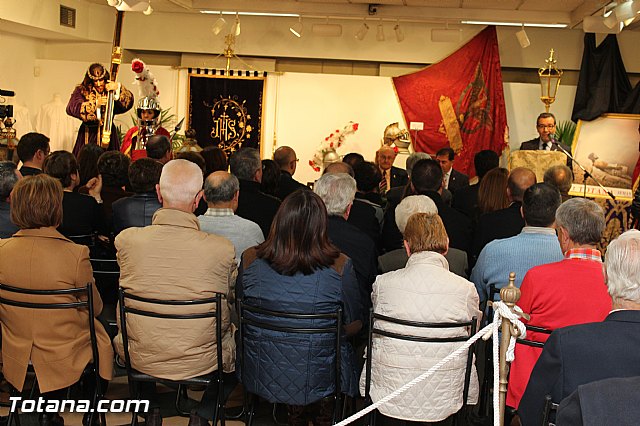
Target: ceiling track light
x=380, y=32
x=235, y=29
x=398, y=31
x=362, y=31
x=114, y=3
x=219, y=25
x=522, y=37
x=296, y=29
x=149, y=10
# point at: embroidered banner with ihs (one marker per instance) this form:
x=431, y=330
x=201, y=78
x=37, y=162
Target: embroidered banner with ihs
x=225, y=108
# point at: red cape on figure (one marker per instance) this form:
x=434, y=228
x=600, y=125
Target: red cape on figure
x=129, y=139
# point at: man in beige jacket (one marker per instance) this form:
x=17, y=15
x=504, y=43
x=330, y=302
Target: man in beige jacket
x=173, y=259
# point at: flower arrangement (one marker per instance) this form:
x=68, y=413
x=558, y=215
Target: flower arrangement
x=331, y=143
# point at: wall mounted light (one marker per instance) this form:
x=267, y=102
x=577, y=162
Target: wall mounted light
x=296, y=29
x=380, y=32
x=362, y=31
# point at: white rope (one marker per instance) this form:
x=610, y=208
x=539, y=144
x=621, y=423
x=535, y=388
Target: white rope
x=501, y=311
x=417, y=380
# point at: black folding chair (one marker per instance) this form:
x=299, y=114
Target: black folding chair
x=487, y=354
x=374, y=329
x=550, y=409
x=135, y=376
x=84, y=296
x=106, y=274
x=534, y=343
x=252, y=316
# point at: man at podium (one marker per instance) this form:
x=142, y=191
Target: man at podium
x=546, y=127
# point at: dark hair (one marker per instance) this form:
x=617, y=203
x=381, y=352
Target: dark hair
x=545, y=115
x=194, y=157
x=244, y=163
x=8, y=178
x=270, y=177
x=539, y=204
x=484, y=161
x=114, y=168
x=144, y=174
x=95, y=69
x=215, y=159
x=88, y=162
x=353, y=159
x=367, y=176
x=298, y=240
x=30, y=143
x=36, y=202
x=492, y=193
x=61, y=165
x=446, y=151
x=222, y=189
x=426, y=176
x=158, y=146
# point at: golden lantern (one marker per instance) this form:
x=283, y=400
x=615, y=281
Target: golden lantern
x=550, y=77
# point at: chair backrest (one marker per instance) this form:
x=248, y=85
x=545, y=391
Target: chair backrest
x=550, y=409
x=533, y=343
x=374, y=318
x=125, y=310
x=88, y=240
x=84, y=296
x=269, y=320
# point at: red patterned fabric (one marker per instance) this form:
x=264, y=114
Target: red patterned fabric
x=460, y=100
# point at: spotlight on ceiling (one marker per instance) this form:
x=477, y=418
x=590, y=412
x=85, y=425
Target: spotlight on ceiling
x=114, y=3
x=380, y=32
x=522, y=37
x=362, y=31
x=296, y=29
x=595, y=24
x=218, y=25
x=235, y=30
x=399, y=33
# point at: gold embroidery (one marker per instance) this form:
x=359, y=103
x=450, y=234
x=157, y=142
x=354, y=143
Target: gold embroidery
x=450, y=121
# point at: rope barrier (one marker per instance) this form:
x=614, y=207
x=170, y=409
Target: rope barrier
x=501, y=311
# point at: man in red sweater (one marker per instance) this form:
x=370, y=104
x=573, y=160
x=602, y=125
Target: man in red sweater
x=563, y=293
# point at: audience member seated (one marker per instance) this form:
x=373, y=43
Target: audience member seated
x=88, y=162
x=9, y=175
x=215, y=159
x=397, y=259
x=395, y=195
x=287, y=160
x=197, y=159
x=453, y=179
x=270, y=178
x=337, y=191
x=492, y=194
x=580, y=354
x=253, y=204
x=391, y=176
x=82, y=214
x=578, y=294
x=367, y=176
x=466, y=199
x=537, y=244
x=506, y=222
x=173, y=260
x=56, y=342
x=561, y=177
x=353, y=159
x=298, y=270
x=362, y=215
x=221, y=190
x=138, y=210
x=423, y=291
x=159, y=148
x=32, y=150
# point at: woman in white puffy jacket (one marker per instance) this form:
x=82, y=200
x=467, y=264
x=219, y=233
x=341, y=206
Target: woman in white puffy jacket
x=424, y=291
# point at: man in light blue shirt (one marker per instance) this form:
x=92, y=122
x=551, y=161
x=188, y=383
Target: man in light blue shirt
x=221, y=191
x=537, y=244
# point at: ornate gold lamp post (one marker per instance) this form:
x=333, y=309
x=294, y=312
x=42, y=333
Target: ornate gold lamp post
x=550, y=77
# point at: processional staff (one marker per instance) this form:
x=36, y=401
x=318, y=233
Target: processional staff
x=116, y=60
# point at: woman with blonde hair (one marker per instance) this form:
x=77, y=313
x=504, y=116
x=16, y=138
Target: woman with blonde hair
x=55, y=342
x=424, y=291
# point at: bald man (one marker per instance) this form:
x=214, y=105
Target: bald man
x=221, y=191
x=286, y=158
x=391, y=176
x=507, y=222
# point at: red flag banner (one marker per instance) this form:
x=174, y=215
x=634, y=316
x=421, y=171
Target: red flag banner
x=460, y=100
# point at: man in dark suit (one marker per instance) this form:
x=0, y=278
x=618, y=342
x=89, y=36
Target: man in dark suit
x=466, y=199
x=546, y=127
x=32, y=150
x=253, y=204
x=286, y=158
x=453, y=179
x=584, y=353
x=506, y=222
x=391, y=176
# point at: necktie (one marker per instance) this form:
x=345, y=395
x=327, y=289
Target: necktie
x=383, y=183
